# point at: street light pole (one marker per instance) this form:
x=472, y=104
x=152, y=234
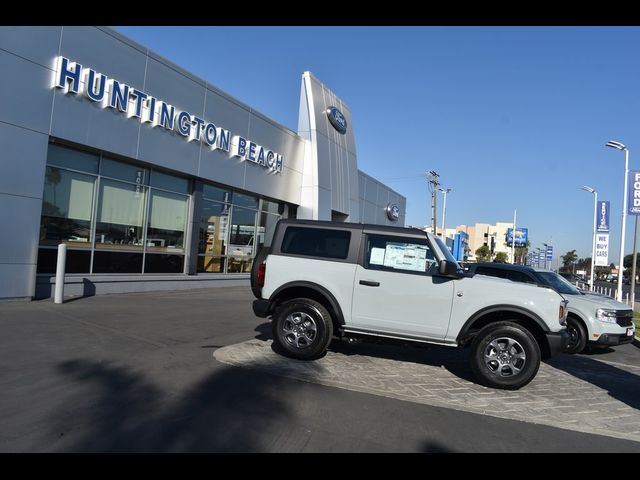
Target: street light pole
x=513, y=239
x=633, y=268
x=620, y=146
x=593, y=246
x=444, y=208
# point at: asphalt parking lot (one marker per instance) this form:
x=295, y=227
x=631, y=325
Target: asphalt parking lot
x=194, y=371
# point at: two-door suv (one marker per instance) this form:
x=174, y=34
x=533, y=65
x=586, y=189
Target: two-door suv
x=324, y=279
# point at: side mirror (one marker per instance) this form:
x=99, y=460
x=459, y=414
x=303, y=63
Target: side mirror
x=447, y=268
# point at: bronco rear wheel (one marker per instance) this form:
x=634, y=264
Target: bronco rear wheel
x=302, y=329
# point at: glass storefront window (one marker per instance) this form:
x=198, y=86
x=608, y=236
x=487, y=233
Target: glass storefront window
x=77, y=261
x=117, y=262
x=214, y=225
x=211, y=264
x=169, y=182
x=158, y=263
x=271, y=207
x=167, y=222
x=215, y=193
x=140, y=219
x=212, y=236
x=73, y=159
x=66, y=208
x=120, y=215
x=124, y=171
x=266, y=228
x=242, y=232
x=242, y=200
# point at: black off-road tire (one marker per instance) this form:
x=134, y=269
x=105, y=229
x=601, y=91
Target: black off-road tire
x=302, y=329
x=510, y=370
x=578, y=334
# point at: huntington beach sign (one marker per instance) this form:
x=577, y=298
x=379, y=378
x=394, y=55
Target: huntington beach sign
x=73, y=78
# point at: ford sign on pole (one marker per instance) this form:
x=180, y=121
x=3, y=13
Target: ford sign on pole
x=602, y=222
x=633, y=200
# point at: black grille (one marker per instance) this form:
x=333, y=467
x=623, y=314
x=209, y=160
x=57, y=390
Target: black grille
x=624, y=318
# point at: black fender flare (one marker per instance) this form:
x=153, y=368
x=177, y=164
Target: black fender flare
x=501, y=308
x=335, y=306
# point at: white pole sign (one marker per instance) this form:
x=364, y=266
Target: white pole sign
x=602, y=249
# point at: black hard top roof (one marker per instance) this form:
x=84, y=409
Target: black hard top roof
x=502, y=266
x=356, y=226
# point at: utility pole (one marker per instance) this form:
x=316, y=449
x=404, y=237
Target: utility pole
x=433, y=188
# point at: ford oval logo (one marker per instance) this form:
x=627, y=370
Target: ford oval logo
x=393, y=212
x=336, y=118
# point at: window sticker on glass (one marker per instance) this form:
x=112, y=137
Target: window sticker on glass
x=377, y=256
x=406, y=256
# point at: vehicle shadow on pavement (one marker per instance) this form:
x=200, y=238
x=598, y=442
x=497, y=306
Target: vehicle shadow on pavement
x=620, y=384
x=264, y=331
x=454, y=360
x=118, y=410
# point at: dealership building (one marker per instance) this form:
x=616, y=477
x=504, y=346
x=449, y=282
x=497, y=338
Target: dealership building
x=152, y=177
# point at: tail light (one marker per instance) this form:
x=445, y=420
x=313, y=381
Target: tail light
x=262, y=270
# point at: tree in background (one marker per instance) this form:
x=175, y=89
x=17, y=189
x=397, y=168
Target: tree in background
x=584, y=264
x=601, y=272
x=501, y=257
x=628, y=263
x=568, y=259
x=483, y=254
x=521, y=252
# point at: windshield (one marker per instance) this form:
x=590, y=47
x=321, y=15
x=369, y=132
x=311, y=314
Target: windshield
x=444, y=249
x=558, y=283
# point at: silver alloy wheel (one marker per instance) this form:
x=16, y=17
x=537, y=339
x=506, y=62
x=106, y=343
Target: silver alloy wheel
x=504, y=357
x=299, y=329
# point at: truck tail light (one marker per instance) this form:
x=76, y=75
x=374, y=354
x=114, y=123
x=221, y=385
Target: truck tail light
x=262, y=270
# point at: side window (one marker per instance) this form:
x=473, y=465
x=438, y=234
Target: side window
x=399, y=254
x=519, y=277
x=316, y=242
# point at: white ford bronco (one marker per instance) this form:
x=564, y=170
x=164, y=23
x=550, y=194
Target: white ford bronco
x=324, y=279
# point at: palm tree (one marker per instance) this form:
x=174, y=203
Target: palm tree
x=569, y=258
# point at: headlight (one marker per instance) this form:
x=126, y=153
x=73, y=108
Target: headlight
x=562, y=314
x=608, y=316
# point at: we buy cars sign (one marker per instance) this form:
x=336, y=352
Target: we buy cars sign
x=602, y=249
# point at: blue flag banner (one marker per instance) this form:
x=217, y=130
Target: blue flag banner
x=633, y=199
x=602, y=220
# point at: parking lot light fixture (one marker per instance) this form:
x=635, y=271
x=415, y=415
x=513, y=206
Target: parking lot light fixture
x=595, y=216
x=620, y=146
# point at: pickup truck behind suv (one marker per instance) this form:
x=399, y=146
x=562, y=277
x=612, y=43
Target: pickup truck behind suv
x=324, y=279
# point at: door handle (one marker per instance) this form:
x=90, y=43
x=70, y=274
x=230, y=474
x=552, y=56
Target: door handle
x=369, y=283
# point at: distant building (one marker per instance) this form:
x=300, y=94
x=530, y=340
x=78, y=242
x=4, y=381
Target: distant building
x=457, y=241
x=493, y=236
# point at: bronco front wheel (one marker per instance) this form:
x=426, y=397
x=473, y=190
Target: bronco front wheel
x=505, y=355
